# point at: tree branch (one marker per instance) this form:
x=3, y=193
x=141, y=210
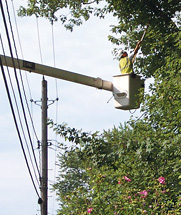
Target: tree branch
x=90, y=2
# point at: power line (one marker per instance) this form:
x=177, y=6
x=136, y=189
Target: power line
x=56, y=110
x=20, y=70
x=38, y=33
x=26, y=122
x=17, y=30
x=9, y=97
x=15, y=121
x=18, y=112
x=53, y=44
x=16, y=124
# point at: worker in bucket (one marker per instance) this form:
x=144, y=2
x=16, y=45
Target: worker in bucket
x=126, y=62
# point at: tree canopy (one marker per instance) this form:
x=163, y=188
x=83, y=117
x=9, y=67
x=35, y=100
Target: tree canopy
x=132, y=16
x=127, y=170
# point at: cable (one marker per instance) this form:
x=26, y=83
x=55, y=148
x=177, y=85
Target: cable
x=9, y=97
x=23, y=91
x=17, y=29
x=56, y=85
x=20, y=45
x=18, y=112
x=132, y=112
x=53, y=43
x=56, y=116
x=39, y=39
x=16, y=124
x=19, y=66
x=30, y=112
x=54, y=61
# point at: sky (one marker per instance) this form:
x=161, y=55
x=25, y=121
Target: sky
x=86, y=51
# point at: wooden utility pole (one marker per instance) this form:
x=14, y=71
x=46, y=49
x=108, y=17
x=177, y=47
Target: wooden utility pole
x=44, y=147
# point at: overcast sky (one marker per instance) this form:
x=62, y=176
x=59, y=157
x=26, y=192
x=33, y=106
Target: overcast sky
x=86, y=51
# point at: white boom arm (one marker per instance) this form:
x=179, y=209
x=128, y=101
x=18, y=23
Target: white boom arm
x=56, y=73
x=125, y=87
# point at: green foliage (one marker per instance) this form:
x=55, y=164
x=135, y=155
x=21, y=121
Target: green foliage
x=102, y=161
x=77, y=11
x=163, y=105
x=132, y=15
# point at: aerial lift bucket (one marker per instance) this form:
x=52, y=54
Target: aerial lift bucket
x=126, y=91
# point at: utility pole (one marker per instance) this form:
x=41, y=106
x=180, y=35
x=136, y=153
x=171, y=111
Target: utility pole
x=44, y=147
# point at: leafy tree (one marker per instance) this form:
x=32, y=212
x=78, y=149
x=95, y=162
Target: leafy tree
x=135, y=168
x=121, y=171
x=133, y=16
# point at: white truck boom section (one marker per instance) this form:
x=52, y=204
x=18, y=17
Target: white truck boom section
x=56, y=73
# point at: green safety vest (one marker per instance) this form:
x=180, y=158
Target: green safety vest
x=125, y=65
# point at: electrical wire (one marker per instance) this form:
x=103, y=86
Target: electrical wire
x=20, y=45
x=9, y=97
x=56, y=111
x=17, y=29
x=56, y=85
x=53, y=44
x=28, y=85
x=16, y=124
x=26, y=122
x=38, y=33
x=15, y=121
x=54, y=61
x=18, y=112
